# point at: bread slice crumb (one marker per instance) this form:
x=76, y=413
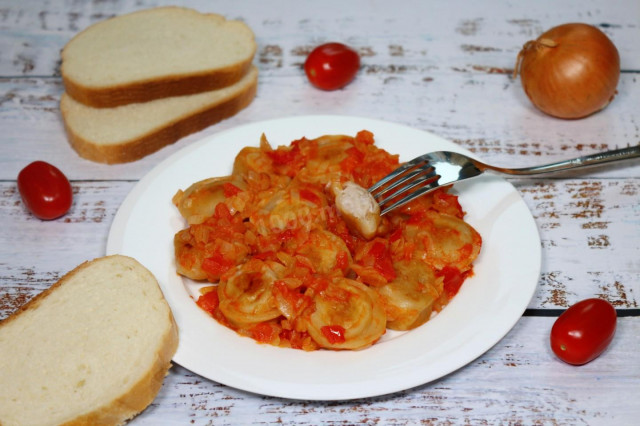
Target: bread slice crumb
x=131, y=132
x=155, y=53
x=92, y=349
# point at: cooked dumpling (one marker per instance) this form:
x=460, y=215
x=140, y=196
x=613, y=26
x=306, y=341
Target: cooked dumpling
x=408, y=299
x=347, y=315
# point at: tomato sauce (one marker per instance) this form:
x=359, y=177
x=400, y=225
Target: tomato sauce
x=290, y=260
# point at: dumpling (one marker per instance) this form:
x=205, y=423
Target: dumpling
x=347, y=315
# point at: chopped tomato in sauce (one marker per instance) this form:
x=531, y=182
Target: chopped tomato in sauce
x=209, y=301
x=283, y=157
x=365, y=136
x=216, y=265
x=230, y=190
x=311, y=196
x=285, y=235
x=353, y=160
x=379, y=257
x=453, y=280
x=334, y=334
x=263, y=332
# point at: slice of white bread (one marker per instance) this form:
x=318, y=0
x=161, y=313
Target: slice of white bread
x=155, y=53
x=92, y=349
x=130, y=132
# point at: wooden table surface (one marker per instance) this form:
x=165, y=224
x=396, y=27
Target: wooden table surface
x=440, y=66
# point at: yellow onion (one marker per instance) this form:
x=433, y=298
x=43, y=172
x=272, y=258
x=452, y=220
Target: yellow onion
x=570, y=71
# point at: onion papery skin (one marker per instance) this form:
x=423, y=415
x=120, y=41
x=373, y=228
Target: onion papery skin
x=570, y=71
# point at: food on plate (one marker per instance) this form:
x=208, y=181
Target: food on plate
x=583, y=331
x=297, y=256
x=45, y=190
x=92, y=349
x=332, y=66
x=130, y=132
x=155, y=53
x=571, y=71
x=347, y=314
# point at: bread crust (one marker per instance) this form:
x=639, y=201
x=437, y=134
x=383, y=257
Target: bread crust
x=139, y=395
x=35, y=300
x=135, y=149
x=159, y=87
x=145, y=91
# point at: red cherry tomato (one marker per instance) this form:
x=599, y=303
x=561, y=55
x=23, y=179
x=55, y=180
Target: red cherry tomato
x=583, y=331
x=45, y=190
x=331, y=66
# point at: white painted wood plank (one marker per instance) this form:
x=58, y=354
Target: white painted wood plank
x=518, y=381
x=485, y=113
x=440, y=34
x=466, y=102
x=590, y=231
x=34, y=254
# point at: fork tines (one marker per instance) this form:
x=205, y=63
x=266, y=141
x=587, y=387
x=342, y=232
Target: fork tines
x=405, y=183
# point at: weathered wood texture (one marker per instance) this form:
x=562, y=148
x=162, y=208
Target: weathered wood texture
x=588, y=229
x=517, y=382
x=442, y=66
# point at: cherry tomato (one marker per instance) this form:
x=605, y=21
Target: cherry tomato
x=331, y=66
x=45, y=190
x=583, y=331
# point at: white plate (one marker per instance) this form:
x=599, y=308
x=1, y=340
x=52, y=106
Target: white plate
x=485, y=309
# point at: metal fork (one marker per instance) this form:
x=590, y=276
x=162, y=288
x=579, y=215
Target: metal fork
x=430, y=171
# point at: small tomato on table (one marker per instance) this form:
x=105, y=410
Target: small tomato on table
x=45, y=190
x=332, y=66
x=583, y=331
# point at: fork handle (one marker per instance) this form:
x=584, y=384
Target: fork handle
x=584, y=161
